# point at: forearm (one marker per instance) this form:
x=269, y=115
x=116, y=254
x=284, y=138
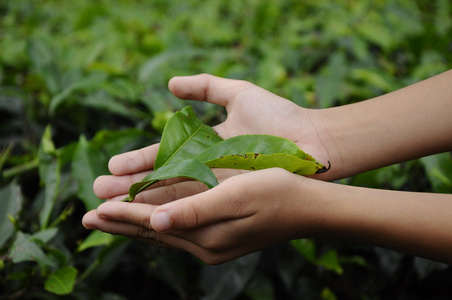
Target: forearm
x=413, y=223
x=400, y=126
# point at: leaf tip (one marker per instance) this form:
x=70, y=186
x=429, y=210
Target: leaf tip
x=324, y=169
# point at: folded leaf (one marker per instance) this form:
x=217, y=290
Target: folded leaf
x=256, y=161
x=253, y=143
x=257, y=152
x=189, y=168
x=184, y=137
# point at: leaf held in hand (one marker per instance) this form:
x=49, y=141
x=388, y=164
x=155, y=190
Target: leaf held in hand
x=257, y=152
x=190, y=148
x=184, y=137
x=189, y=168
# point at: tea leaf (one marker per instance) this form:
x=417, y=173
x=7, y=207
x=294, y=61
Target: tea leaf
x=189, y=168
x=257, y=152
x=184, y=137
x=11, y=202
x=189, y=149
x=62, y=281
x=24, y=249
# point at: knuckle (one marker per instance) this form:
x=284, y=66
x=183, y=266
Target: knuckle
x=190, y=216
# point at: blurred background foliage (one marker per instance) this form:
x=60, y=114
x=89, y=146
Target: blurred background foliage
x=83, y=80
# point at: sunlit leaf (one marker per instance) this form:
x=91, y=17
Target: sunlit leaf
x=306, y=247
x=95, y=239
x=257, y=152
x=330, y=261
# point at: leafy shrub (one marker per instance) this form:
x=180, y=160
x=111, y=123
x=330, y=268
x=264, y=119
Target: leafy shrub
x=83, y=80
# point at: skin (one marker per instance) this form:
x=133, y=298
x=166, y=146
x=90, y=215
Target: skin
x=249, y=211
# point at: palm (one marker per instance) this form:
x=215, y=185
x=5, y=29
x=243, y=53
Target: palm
x=253, y=110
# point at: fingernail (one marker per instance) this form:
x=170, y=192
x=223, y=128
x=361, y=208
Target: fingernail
x=89, y=226
x=161, y=222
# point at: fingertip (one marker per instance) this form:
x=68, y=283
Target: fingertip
x=88, y=220
x=161, y=222
x=113, y=163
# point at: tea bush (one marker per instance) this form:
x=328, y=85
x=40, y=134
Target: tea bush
x=83, y=80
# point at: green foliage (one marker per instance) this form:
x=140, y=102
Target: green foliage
x=189, y=148
x=81, y=81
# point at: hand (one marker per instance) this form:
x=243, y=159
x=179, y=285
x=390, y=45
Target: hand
x=244, y=213
x=251, y=110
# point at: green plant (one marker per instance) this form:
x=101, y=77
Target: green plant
x=189, y=148
x=82, y=81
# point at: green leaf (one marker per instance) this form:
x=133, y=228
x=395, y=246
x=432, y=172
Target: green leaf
x=90, y=82
x=189, y=168
x=228, y=280
x=330, y=261
x=95, y=239
x=45, y=235
x=88, y=163
x=257, y=152
x=11, y=200
x=24, y=249
x=256, y=161
x=184, y=137
x=255, y=143
x=439, y=171
x=62, y=281
x=49, y=172
x=306, y=247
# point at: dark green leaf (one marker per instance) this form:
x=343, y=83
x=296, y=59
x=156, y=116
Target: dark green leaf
x=189, y=168
x=45, y=235
x=228, y=280
x=306, y=247
x=10, y=204
x=92, y=81
x=184, y=137
x=62, y=281
x=439, y=171
x=24, y=249
x=49, y=172
x=88, y=163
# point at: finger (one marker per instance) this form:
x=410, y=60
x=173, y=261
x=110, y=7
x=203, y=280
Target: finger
x=116, y=188
x=133, y=161
x=173, y=189
x=205, y=87
x=92, y=221
x=108, y=186
x=130, y=213
x=223, y=202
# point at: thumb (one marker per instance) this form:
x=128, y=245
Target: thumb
x=205, y=87
x=202, y=209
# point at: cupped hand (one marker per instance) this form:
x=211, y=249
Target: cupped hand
x=250, y=110
x=228, y=220
x=244, y=213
